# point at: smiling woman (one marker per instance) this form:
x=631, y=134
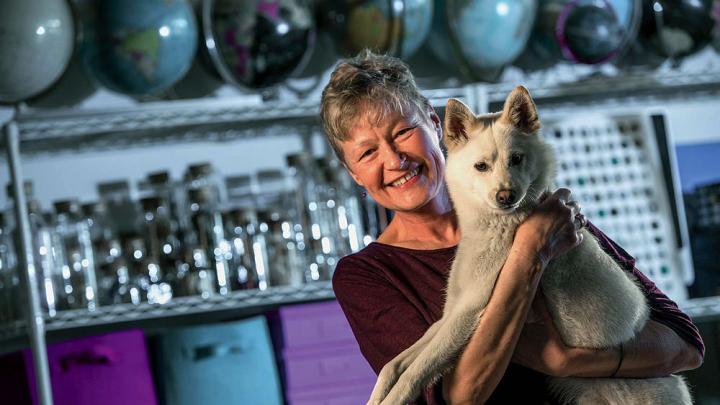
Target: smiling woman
x=388, y=137
x=398, y=159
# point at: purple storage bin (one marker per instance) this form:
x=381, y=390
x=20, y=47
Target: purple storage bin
x=329, y=366
x=111, y=369
x=322, y=363
x=314, y=325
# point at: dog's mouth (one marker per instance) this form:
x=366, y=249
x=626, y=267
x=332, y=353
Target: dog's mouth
x=506, y=209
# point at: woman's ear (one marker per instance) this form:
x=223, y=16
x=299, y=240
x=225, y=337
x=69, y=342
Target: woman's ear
x=436, y=122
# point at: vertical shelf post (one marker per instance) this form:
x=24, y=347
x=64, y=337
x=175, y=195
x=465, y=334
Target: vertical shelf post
x=28, y=278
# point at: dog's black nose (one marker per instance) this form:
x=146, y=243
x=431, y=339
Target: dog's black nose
x=505, y=197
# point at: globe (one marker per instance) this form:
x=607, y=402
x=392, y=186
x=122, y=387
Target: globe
x=257, y=43
x=482, y=35
x=580, y=31
x=71, y=89
x=138, y=47
x=592, y=31
x=36, y=43
x=395, y=27
x=671, y=29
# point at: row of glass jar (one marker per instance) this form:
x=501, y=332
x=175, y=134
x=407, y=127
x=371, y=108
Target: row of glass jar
x=197, y=236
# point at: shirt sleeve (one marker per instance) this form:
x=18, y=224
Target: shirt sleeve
x=383, y=321
x=662, y=309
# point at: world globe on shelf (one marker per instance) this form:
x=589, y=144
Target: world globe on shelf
x=482, y=35
x=672, y=29
x=36, y=42
x=593, y=31
x=396, y=27
x=138, y=47
x=71, y=89
x=257, y=43
x=580, y=31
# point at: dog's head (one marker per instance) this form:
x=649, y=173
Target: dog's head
x=497, y=163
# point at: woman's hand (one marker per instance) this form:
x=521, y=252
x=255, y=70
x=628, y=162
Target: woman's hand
x=554, y=226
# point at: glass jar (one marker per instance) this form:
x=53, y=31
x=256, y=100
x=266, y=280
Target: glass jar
x=202, y=175
x=122, y=211
x=325, y=215
x=114, y=283
x=72, y=242
x=206, y=239
x=9, y=280
x=278, y=222
x=240, y=225
x=48, y=275
x=146, y=283
x=172, y=198
x=161, y=241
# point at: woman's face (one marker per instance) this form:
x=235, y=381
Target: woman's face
x=397, y=160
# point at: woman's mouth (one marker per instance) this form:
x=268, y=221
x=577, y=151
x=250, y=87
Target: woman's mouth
x=407, y=180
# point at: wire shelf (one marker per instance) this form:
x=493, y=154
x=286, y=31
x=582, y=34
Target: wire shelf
x=180, y=311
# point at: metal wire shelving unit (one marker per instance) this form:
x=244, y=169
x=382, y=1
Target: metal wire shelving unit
x=34, y=133
x=49, y=133
x=153, y=317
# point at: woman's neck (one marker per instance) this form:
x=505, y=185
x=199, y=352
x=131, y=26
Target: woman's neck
x=431, y=226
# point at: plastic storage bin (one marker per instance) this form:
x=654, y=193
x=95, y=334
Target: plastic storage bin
x=111, y=369
x=231, y=363
x=322, y=363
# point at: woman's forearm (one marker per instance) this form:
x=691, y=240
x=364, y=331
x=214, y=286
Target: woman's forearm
x=487, y=354
x=654, y=352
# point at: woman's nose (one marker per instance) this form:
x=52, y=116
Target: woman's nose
x=395, y=160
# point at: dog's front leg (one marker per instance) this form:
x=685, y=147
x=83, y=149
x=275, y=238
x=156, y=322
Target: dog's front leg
x=395, y=367
x=438, y=355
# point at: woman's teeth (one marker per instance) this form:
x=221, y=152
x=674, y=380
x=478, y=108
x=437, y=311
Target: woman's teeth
x=404, y=179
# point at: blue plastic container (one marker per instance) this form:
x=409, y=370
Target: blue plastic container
x=230, y=363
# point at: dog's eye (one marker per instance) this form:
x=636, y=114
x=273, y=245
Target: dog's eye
x=481, y=167
x=516, y=159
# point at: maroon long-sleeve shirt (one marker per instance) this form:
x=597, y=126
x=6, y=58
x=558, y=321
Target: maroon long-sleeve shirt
x=391, y=295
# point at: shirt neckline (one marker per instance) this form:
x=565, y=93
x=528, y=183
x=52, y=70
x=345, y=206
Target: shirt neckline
x=391, y=247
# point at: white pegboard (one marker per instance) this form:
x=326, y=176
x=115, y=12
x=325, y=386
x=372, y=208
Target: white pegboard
x=609, y=161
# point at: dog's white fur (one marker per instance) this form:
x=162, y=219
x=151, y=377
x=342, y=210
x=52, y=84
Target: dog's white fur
x=593, y=302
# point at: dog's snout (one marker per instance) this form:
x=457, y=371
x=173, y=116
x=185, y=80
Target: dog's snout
x=505, y=197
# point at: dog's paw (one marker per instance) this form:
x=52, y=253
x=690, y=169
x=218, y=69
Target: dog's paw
x=386, y=380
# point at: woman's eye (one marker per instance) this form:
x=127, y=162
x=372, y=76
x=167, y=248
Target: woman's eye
x=366, y=153
x=516, y=159
x=405, y=131
x=481, y=167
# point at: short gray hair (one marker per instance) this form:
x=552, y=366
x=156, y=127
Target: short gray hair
x=366, y=84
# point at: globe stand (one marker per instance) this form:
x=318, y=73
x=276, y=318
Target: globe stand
x=270, y=94
x=304, y=92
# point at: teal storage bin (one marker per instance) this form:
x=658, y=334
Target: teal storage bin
x=229, y=363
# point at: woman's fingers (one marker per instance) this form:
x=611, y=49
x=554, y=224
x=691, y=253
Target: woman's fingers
x=580, y=221
x=562, y=194
x=578, y=218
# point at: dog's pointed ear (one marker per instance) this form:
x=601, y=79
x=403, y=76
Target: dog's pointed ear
x=458, y=119
x=520, y=111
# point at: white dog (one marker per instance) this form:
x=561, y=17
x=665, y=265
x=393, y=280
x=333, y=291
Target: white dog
x=497, y=167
